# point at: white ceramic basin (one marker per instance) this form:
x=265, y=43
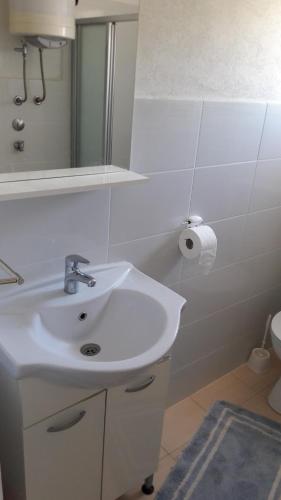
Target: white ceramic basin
x=132, y=319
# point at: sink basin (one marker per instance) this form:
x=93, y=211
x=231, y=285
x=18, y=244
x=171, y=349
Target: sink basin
x=99, y=337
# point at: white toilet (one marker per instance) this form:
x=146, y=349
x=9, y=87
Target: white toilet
x=274, y=398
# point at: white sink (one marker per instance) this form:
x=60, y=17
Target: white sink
x=131, y=318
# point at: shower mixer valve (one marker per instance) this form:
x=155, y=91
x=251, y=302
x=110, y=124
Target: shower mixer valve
x=18, y=124
x=19, y=146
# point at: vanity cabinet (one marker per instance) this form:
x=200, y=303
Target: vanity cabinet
x=62, y=444
x=63, y=454
x=133, y=431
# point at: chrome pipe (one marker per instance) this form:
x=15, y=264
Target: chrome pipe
x=16, y=278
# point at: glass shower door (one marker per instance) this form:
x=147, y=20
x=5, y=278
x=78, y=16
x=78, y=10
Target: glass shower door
x=91, y=94
x=104, y=83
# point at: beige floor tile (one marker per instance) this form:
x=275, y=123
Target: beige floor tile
x=163, y=453
x=180, y=423
x=227, y=388
x=255, y=381
x=259, y=404
x=165, y=465
x=177, y=453
x=164, y=468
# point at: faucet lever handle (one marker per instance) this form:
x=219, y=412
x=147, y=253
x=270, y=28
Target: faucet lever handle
x=74, y=260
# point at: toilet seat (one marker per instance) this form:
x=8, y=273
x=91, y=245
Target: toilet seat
x=276, y=326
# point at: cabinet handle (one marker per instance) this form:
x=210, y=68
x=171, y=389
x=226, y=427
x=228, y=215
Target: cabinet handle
x=65, y=427
x=142, y=386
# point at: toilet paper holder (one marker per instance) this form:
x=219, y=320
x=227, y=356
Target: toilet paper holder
x=193, y=221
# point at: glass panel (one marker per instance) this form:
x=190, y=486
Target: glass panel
x=124, y=90
x=92, y=58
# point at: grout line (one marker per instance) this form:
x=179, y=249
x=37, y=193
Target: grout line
x=234, y=304
x=195, y=160
x=198, y=404
x=109, y=223
x=228, y=165
x=242, y=261
x=262, y=133
x=256, y=169
x=181, y=266
x=210, y=222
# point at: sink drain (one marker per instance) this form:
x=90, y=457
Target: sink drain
x=90, y=349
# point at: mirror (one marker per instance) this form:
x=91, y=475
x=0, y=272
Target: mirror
x=86, y=120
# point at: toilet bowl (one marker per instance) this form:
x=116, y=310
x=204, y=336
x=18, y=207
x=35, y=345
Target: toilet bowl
x=274, y=398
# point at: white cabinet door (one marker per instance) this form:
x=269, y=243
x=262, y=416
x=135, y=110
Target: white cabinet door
x=63, y=454
x=133, y=428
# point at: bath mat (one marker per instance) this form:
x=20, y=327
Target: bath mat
x=235, y=455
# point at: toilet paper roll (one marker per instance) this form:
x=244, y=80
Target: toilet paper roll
x=199, y=243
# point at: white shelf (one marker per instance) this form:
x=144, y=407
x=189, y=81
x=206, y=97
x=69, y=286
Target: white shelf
x=34, y=184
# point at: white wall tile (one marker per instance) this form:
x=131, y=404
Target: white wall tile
x=222, y=288
x=156, y=206
x=222, y=192
x=262, y=232
x=263, y=272
x=194, y=376
x=267, y=187
x=234, y=324
x=43, y=229
x=208, y=294
x=165, y=134
x=200, y=373
x=230, y=133
x=158, y=256
x=270, y=144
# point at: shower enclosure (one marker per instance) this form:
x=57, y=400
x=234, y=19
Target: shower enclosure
x=104, y=62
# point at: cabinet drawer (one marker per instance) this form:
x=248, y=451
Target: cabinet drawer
x=133, y=431
x=63, y=454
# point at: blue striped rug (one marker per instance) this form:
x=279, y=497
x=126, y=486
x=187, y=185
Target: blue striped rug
x=235, y=455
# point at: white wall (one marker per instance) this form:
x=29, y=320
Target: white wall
x=210, y=49
x=47, y=132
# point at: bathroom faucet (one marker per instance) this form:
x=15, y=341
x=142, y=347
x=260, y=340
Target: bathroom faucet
x=73, y=275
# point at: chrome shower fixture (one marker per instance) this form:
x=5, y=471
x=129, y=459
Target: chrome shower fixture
x=19, y=100
x=37, y=99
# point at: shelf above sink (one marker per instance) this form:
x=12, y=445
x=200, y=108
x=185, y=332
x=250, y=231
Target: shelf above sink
x=34, y=184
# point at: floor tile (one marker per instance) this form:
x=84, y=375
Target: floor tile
x=177, y=453
x=255, y=381
x=180, y=423
x=164, y=468
x=226, y=388
x=163, y=453
x=259, y=404
x=165, y=465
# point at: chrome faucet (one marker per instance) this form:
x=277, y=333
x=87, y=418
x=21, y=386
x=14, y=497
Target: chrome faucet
x=15, y=278
x=73, y=275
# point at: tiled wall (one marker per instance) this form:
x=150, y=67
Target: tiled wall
x=221, y=161
x=218, y=160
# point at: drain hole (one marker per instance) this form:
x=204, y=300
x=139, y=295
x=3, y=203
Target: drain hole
x=90, y=349
x=82, y=316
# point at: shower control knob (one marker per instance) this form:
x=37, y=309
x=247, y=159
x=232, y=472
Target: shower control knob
x=19, y=146
x=18, y=124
